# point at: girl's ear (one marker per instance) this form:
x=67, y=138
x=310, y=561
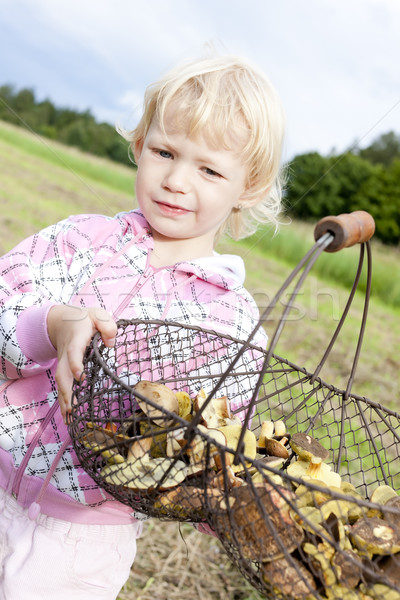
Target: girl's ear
x=249, y=199
x=137, y=150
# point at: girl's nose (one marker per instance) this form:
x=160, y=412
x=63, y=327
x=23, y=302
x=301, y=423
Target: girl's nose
x=177, y=179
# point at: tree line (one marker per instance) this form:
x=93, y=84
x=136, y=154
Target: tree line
x=360, y=179
x=71, y=127
x=367, y=178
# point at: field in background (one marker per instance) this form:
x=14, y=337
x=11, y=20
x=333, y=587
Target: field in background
x=42, y=182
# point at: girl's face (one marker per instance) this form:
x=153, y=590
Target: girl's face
x=186, y=189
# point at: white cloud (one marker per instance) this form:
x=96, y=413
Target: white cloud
x=334, y=62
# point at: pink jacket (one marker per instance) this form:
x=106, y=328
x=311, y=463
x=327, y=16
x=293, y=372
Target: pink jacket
x=91, y=260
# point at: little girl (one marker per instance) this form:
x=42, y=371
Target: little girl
x=207, y=151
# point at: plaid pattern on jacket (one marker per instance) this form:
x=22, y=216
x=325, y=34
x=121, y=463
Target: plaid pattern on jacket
x=93, y=260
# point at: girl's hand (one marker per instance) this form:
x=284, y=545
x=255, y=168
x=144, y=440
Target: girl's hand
x=70, y=330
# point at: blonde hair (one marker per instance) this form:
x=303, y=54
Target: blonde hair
x=224, y=98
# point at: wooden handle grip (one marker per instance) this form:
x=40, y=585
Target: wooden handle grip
x=349, y=229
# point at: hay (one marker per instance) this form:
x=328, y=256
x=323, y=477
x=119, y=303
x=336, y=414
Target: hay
x=176, y=562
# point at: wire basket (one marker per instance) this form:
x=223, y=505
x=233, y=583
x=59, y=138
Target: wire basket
x=298, y=479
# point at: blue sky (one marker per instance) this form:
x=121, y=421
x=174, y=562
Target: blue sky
x=335, y=63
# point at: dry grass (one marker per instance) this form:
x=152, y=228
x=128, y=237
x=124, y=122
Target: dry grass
x=176, y=562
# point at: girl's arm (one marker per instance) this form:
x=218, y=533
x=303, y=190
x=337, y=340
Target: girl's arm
x=37, y=274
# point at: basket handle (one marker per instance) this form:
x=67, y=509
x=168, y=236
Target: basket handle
x=348, y=229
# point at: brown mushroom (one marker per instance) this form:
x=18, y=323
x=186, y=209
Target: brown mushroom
x=373, y=535
x=183, y=501
x=104, y=441
x=308, y=448
x=160, y=395
x=348, y=567
x=392, y=516
x=288, y=576
x=139, y=448
x=276, y=448
x=258, y=521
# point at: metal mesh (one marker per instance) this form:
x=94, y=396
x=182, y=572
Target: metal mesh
x=299, y=479
x=291, y=536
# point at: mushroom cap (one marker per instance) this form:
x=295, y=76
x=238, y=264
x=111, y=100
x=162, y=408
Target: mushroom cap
x=275, y=448
x=162, y=396
x=382, y=494
x=289, y=577
x=240, y=516
x=183, y=502
x=393, y=518
x=375, y=536
x=308, y=448
x=267, y=432
x=349, y=567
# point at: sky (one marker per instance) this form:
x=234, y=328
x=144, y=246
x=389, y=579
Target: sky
x=335, y=63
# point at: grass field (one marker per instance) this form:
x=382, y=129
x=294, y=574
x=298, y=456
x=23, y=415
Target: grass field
x=42, y=182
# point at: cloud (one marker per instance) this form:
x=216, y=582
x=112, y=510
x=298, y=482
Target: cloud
x=335, y=64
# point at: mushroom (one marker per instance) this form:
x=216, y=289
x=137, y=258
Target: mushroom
x=104, y=441
x=146, y=474
x=320, y=561
x=308, y=448
x=185, y=405
x=288, y=576
x=157, y=435
x=307, y=496
x=339, y=592
x=310, y=519
x=160, y=395
x=392, y=517
x=139, y=448
x=183, y=501
x=382, y=494
x=272, y=439
x=226, y=479
x=309, y=464
x=373, y=535
x=201, y=448
x=232, y=434
x=348, y=568
x=379, y=591
x=276, y=448
x=258, y=521
x=266, y=433
x=216, y=413
x=387, y=568
x=304, y=469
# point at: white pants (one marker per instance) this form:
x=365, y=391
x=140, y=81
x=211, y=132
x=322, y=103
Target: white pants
x=50, y=559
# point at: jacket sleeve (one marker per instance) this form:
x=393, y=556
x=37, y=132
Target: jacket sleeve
x=33, y=277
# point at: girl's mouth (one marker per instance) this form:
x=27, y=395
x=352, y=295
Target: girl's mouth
x=170, y=209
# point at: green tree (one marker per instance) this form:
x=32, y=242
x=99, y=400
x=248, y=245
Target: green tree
x=312, y=190
x=383, y=150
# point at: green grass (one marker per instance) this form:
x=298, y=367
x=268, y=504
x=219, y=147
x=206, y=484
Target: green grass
x=83, y=165
x=291, y=243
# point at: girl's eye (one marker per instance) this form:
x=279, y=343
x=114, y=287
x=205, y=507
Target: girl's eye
x=211, y=172
x=164, y=154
